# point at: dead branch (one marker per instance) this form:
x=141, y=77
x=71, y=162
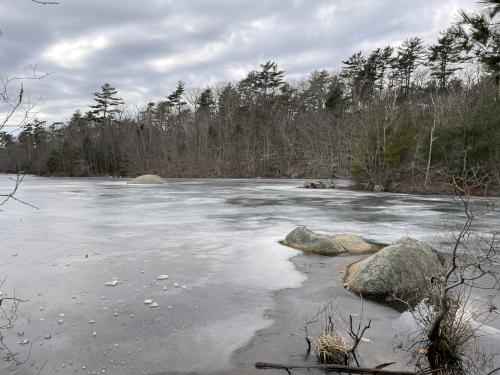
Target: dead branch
x=493, y=371
x=357, y=336
x=310, y=321
x=335, y=368
x=17, y=182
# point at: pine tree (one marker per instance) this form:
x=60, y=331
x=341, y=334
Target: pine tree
x=480, y=36
x=175, y=98
x=444, y=56
x=269, y=78
x=6, y=139
x=317, y=89
x=352, y=72
x=382, y=61
x=409, y=56
x=353, y=67
x=205, y=101
x=39, y=132
x=374, y=69
x=107, y=103
x=261, y=83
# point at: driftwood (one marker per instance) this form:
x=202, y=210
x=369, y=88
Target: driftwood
x=337, y=368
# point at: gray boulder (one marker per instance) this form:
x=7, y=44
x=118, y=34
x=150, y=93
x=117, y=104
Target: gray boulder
x=306, y=240
x=319, y=185
x=378, y=188
x=147, y=179
x=355, y=244
x=400, y=269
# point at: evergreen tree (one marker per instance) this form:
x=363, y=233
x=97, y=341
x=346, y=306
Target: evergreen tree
x=385, y=60
x=6, y=139
x=374, y=69
x=205, y=101
x=444, y=56
x=317, y=89
x=352, y=72
x=261, y=83
x=336, y=94
x=175, y=98
x=39, y=132
x=106, y=103
x=409, y=56
x=269, y=78
x=480, y=36
x=377, y=65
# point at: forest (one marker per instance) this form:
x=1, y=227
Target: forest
x=408, y=118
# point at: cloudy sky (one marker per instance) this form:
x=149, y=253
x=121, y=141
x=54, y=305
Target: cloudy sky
x=143, y=47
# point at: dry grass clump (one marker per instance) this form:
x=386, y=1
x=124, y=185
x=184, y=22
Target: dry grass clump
x=454, y=344
x=331, y=348
x=457, y=350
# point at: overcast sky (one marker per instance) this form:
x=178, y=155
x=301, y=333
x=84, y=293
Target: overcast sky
x=143, y=47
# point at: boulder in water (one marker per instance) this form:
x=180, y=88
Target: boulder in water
x=355, y=244
x=147, y=179
x=306, y=240
x=398, y=269
x=319, y=185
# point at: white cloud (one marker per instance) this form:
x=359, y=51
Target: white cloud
x=75, y=53
x=246, y=35
x=208, y=52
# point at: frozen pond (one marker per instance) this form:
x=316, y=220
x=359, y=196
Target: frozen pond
x=217, y=240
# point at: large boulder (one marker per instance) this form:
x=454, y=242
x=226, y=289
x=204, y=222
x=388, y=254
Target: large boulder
x=398, y=269
x=306, y=240
x=147, y=179
x=355, y=244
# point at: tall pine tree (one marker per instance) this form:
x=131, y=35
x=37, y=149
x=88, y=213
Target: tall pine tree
x=106, y=103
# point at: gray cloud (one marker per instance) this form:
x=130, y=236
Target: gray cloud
x=144, y=47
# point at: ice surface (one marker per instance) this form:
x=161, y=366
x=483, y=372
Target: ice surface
x=218, y=237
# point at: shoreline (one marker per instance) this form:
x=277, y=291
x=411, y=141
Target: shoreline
x=346, y=184
x=293, y=306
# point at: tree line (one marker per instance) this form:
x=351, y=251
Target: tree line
x=407, y=118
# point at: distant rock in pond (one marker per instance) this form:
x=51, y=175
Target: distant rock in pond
x=306, y=240
x=162, y=277
x=319, y=185
x=398, y=269
x=147, y=179
x=111, y=283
